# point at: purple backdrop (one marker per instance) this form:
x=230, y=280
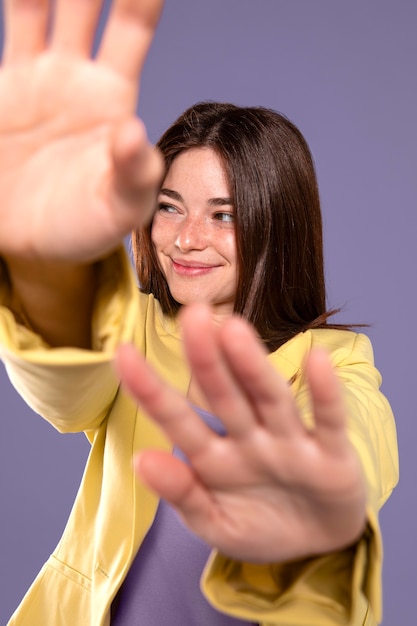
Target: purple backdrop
x=345, y=73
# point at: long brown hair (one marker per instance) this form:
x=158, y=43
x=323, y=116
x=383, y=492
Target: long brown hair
x=272, y=179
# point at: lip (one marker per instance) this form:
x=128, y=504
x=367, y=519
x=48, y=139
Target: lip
x=191, y=268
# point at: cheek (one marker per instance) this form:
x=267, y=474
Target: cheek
x=229, y=247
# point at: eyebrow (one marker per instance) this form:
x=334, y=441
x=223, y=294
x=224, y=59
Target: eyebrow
x=212, y=201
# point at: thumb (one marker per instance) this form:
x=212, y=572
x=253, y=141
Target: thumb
x=138, y=169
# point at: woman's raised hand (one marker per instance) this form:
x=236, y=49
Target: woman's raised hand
x=76, y=170
x=271, y=490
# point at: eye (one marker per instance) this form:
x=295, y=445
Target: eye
x=166, y=208
x=223, y=216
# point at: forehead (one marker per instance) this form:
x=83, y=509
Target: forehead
x=201, y=168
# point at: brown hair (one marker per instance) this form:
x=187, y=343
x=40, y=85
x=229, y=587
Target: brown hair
x=270, y=169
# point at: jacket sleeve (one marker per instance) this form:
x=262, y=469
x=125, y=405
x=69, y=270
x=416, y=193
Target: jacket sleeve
x=336, y=588
x=72, y=388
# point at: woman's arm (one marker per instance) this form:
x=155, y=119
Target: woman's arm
x=73, y=388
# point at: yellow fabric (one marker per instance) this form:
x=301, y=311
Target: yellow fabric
x=97, y=546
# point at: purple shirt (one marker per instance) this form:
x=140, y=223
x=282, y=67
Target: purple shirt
x=162, y=586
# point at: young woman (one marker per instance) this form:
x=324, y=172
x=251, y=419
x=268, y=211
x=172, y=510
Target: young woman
x=271, y=439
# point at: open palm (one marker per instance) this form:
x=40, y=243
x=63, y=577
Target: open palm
x=68, y=139
x=271, y=489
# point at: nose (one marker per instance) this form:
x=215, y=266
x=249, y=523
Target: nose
x=192, y=235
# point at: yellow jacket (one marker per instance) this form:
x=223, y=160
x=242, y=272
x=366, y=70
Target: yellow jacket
x=76, y=390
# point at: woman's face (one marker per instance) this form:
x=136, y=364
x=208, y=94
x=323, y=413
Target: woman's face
x=194, y=234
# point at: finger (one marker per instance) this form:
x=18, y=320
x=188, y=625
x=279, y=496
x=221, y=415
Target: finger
x=327, y=401
x=225, y=397
x=74, y=26
x=162, y=403
x=176, y=483
x=138, y=171
x=26, y=24
x=268, y=392
x=129, y=34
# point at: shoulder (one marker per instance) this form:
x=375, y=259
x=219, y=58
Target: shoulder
x=343, y=346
